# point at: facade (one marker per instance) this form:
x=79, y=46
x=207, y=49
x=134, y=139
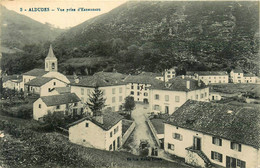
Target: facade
x=169, y=74
x=114, y=91
x=102, y=132
x=207, y=134
x=138, y=86
x=42, y=86
x=167, y=99
x=250, y=78
x=210, y=77
x=68, y=103
x=237, y=75
x=213, y=96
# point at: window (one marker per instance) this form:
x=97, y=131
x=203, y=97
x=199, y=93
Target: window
x=58, y=107
x=111, y=134
x=113, y=99
x=138, y=93
x=177, y=136
x=120, y=98
x=156, y=97
x=120, y=90
x=145, y=94
x=216, y=156
x=170, y=146
x=132, y=93
x=138, y=87
x=116, y=130
x=110, y=147
x=40, y=106
x=241, y=163
x=197, y=97
x=166, y=97
x=201, y=95
x=205, y=94
x=235, y=146
x=54, y=83
x=177, y=98
x=113, y=91
x=132, y=87
x=156, y=107
x=217, y=141
x=49, y=89
x=169, y=72
x=86, y=124
x=82, y=91
x=233, y=162
x=113, y=108
x=168, y=76
x=75, y=104
x=88, y=91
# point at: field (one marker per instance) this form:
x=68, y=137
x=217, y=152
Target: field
x=235, y=88
x=24, y=145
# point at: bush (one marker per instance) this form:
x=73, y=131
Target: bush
x=55, y=119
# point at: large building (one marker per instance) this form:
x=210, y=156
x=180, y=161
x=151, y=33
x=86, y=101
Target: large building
x=209, y=77
x=238, y=76
x=102, y=132
x=208, y=134
x=169, y=74
x=50, y=71
x=138, y=86
x=114, y=89
x=169, y=97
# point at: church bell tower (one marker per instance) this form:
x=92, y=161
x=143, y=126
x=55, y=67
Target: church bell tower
x=51, y=62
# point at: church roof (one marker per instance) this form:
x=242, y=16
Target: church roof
x=36, y=72
x=51, y=54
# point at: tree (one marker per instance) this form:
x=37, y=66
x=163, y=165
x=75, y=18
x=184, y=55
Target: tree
x=54, y=119
x=96, y=101
x=129, y=104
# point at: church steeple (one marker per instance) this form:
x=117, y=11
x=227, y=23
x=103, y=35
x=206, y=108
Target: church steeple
x=51, y=62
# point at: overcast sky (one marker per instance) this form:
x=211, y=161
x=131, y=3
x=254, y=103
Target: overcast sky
x=62, y=19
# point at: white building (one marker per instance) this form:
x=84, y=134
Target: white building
x=138, y=86
x=102, y=132
x=169, y=74
x=250, y=78
x=68, y=103
x=214, y=134
x=13, y=82
x=43, y=86
x=209, y=77
x=238, y=76
x=114, y=90
x=169, y=97
x=50, y=71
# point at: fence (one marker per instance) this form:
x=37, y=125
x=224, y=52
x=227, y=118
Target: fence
x=128, y=132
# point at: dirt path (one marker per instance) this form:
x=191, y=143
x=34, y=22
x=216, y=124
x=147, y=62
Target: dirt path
x=141, y=130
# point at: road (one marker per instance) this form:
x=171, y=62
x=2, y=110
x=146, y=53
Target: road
x=141, y=130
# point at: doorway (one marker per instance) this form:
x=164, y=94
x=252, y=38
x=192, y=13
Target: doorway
x=196, y=143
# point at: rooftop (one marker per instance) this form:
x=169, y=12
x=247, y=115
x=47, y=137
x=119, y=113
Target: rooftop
x=151, y=74
x=14, y=78
x=236, y=123
x=143, y=79
x=60, y=99
x=62, y=90
x=50, y=55
x=36, y=72
x=110, y=119
x=249, y=75
x=158, y=125
x=39, y=81
x=237, y=70
x=207, y=73
x=180, y=84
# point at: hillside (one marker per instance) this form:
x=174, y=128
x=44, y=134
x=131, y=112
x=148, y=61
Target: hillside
x=19, y=30
x=152, y=36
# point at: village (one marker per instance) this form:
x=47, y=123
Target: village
x=201, y=118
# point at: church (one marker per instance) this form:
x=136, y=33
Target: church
x=35, y=79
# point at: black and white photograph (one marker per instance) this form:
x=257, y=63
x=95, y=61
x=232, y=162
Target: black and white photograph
x=136, y=84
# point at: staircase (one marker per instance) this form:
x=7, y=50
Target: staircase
x=202, y=155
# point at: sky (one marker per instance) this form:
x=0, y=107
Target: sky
x=59, y=18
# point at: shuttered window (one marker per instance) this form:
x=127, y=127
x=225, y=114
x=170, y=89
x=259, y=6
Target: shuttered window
x=216, y=156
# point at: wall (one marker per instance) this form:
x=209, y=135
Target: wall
x=248, y=153
x=214, y=79
x=128, y=133
x=109, y=140
x=150, y=125
x=91, y=136
x=50, y=84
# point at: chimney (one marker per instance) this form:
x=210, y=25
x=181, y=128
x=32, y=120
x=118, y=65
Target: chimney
x=188, y=84
x=99, y=119
x=199, y=83
x=76, y=80
x=182, y=76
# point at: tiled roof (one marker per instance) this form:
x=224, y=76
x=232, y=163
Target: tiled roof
x=62, y=90
x=236, y=123
x=12, y=77
x=110, y=119
x=36, y=72
x=95, y=81
x=207, y=73
x=158, y=125
x=110, y=75
x=151, y=74
x=39, y=81
x=60, y=99
x=249, y=75
x=142, y=79
x=180, y=84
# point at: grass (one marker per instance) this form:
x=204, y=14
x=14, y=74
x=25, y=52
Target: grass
x=231, y=88
x=25, y=147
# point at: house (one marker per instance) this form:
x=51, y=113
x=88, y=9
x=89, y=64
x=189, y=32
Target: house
x=209, y=77
x=237, y=75
x=250, y=78
x=214, y=96
x=169, y=74
x=50, y=71
x=138, y=86
x=42, y=86
x=13, y=82
x=152, y=74
x=211, y=134
x=114, y=89
x=68, y=103
x=101, y=132
x=169, y=97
